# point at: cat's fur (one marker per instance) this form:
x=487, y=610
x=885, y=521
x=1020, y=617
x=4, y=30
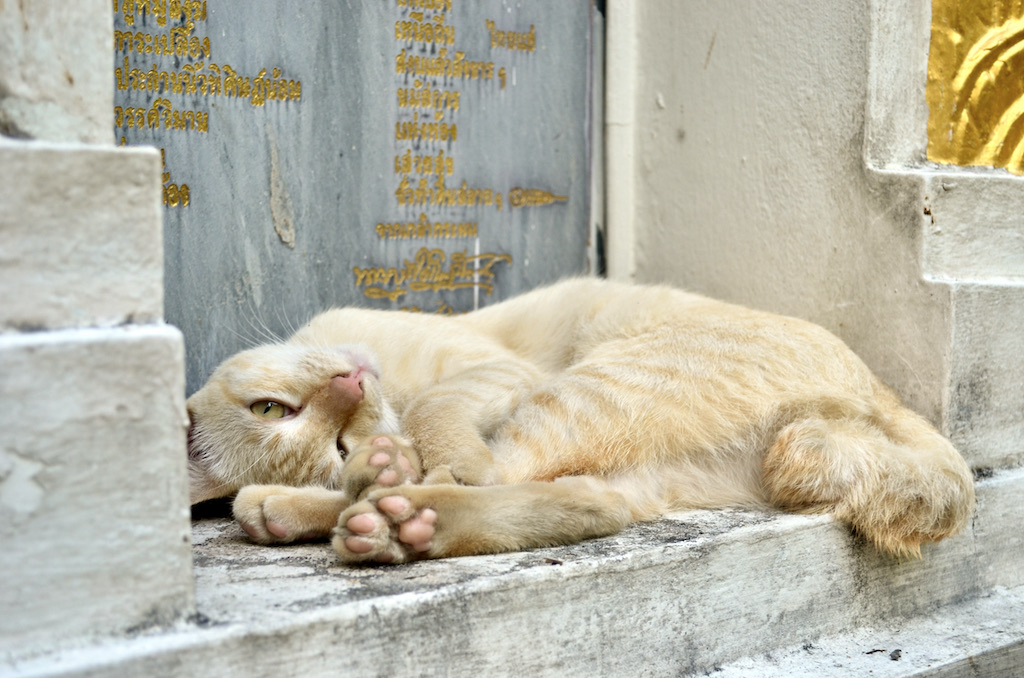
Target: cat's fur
x=559, y=415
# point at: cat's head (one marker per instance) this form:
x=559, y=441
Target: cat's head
x=285, y=415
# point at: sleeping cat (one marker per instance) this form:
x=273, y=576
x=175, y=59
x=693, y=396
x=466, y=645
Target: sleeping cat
x=562, y=414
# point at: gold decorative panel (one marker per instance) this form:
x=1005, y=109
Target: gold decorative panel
x=976, y=83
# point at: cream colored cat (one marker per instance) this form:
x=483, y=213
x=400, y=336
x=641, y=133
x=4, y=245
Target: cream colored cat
x=562, y=414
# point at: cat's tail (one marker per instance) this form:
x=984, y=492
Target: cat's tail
x=884, y=470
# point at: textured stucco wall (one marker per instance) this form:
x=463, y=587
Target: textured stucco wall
x=778, y=155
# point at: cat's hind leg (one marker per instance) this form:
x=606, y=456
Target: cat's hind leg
x=436, y=521
x=895, y=480
x=276, y=514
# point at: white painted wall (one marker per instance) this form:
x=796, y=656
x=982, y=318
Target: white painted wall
x=778, y=162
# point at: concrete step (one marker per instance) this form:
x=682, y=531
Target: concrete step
x=681, y=596
x=981, y=637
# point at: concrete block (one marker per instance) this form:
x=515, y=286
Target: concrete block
x=94, y=515
x=55, y=79
x=81, y=235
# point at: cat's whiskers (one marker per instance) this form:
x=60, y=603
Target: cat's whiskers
x=287, y=322
x=262, y=331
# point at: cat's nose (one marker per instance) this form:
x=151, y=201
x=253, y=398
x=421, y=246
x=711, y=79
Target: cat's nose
x=349, y=386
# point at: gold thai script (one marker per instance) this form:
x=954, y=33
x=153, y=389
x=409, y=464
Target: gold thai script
x=431, y=271
x=162, y=10
x=436, y=5
x=176, y=42
x=407, y=163
x=419, y=96
x=439, y=195
x=525, y=42
x=173, y=194
x=419, y=30
x=442, y=66
x=415, y=130
x=161, y=111
x=533, y=197
x=425, y=229
x=199, y=78
x=219, y=81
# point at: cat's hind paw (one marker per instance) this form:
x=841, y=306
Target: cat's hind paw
x=276, y=514
x=380, y=461
x=387, y=529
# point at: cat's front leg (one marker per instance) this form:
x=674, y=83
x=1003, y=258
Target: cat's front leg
x=276, y=514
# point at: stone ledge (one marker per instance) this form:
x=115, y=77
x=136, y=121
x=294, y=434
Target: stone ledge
x=686, y=594
x=82, y=239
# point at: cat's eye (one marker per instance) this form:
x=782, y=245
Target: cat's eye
x=268, y=409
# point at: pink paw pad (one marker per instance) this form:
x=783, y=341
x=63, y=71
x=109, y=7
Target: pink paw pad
x=419, y=530
x=277, y=529
x=250, y=530
x=361, y=524
x=416, y=532
x=389, y=476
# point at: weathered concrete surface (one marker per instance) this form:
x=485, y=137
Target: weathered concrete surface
x=679, y=596
x=93, y=485
x=80, y=236
x=55, y=70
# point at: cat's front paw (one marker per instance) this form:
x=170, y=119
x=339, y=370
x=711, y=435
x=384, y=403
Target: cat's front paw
x=380, y=461
x=385, y=528
x=276, y=514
